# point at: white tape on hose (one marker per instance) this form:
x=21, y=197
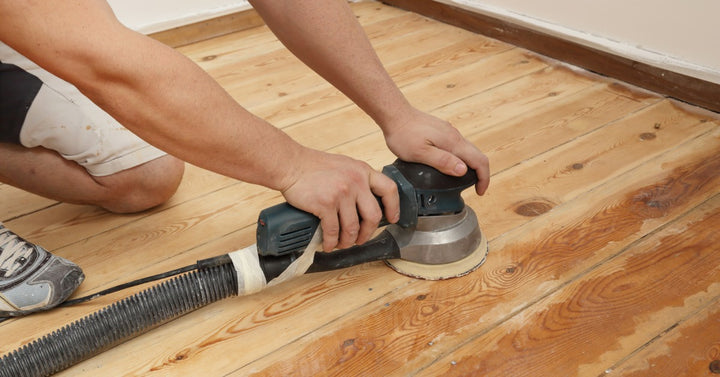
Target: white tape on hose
x=251, y=278
x=300, y=266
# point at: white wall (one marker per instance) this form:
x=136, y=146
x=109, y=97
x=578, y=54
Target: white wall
x=149, y=16
x=681, y=36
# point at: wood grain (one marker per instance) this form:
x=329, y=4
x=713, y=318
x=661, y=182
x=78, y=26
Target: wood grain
x=688, y=348
x=677, y=85
x=609, y=312
x=526, y=263
x=600, y=215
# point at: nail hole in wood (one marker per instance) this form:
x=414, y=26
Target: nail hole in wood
x=647, y=135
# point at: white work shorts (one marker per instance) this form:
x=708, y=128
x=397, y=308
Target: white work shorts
x=62, y=119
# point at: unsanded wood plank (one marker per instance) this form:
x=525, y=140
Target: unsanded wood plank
x=689, y=348
x=607, y=313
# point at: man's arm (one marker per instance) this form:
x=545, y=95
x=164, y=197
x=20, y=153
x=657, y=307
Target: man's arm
x=326, y=36
x=169, y=101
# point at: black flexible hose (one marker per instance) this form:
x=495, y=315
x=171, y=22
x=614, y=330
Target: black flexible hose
x=120, y=321
x=215, y=280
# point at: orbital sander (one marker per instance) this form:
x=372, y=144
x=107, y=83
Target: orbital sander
x=437, y=235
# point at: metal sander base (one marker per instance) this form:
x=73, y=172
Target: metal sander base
x=451, y=270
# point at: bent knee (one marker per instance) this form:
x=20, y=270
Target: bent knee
x=142, y=187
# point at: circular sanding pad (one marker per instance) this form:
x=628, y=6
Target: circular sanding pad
x=443, y=271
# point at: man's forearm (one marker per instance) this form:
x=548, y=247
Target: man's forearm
x=326, y=36
x=150, y=88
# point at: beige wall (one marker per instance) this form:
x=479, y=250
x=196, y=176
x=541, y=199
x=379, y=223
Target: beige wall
x=682, y=36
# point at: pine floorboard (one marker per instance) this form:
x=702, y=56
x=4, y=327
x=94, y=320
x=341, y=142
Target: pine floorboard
x=602, y=219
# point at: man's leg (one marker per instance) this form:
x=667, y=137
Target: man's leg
x=56, y=143
x=60, y=145
x=44, y=172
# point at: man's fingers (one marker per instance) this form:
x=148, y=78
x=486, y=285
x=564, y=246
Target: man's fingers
x=331, y=230
x=443, y=161
x=479, y=162
x=384, y=187
x=349, y=223
x=371, y=215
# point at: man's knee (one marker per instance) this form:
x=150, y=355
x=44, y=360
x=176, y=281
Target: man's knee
x=144, y=186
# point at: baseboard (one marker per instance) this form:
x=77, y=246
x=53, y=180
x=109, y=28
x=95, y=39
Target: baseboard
x=680, y=86
x=203, y=30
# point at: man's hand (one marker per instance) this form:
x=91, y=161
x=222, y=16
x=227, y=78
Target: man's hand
x=423, y=138
x=339, y=190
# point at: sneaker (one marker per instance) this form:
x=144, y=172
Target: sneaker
x=32, y=279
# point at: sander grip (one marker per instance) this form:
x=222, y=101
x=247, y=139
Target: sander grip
x=284, y=229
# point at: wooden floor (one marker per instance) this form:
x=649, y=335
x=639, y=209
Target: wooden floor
x=602, y=215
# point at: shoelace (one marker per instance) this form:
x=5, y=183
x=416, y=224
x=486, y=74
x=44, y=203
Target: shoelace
x=14, y=252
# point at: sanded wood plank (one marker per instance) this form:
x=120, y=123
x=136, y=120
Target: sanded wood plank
x=520, y=138
x=297, y=105
x=256, y=79
x=16, y=202
x=500, y=104
x=203, y=30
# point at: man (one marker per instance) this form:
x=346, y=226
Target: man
x=172, y=104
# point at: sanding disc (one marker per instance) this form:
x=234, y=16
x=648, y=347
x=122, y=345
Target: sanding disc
x=455, y=269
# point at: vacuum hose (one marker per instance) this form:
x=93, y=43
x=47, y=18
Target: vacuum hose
x=120, y=321
x=215, y=279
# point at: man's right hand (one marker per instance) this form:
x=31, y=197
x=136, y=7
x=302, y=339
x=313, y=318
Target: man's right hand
x=339, y=190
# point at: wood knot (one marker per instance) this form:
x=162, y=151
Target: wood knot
x=715, y=367
x=577, y=166
x=209, y=58
x=648, y=136
x=421, y=297
x=182, y=355
x=510, y=270
x=450, y=86
x=534, y=207
x=655, y=202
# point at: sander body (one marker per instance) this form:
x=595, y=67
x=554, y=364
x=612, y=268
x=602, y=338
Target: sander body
x=437, y=236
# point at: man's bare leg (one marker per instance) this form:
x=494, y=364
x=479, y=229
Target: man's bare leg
x=46, y=173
